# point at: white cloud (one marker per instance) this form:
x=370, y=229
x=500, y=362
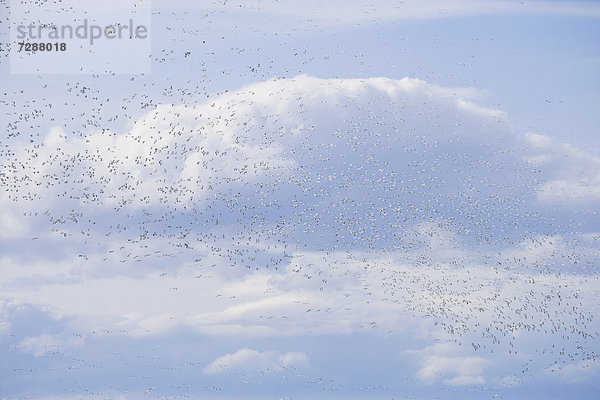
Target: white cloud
x=55, y=137
x=278, y=134
x=571, y=175
x=13, y=225
x=335, y=12
x=274, y=133
x=440, y=362
x=171, y=155
x=247, y=360
x=537, y=249
x=45, y=343
x=581, y=371
x=510, y=381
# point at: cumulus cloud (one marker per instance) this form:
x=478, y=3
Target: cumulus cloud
x=303, y=151
x=440, y=361
x=167, y=157
x=321, y=163
x=253, y=361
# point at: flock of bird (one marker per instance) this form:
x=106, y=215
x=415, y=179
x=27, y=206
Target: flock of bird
x=369, y=195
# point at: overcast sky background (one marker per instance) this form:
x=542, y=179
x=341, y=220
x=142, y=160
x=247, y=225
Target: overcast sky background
x=336, y=199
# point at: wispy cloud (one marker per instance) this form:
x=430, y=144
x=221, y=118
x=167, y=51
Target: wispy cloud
x=253, y=361
x=354, y=11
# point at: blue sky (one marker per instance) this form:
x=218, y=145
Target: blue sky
x=320, y=200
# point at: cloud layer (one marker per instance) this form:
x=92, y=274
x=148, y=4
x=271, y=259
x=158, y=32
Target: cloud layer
x=395, y=210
